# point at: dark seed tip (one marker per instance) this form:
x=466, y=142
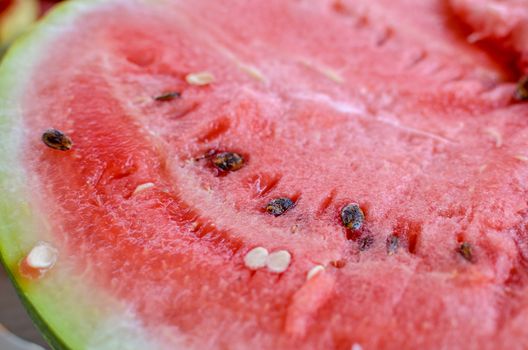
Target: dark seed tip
x=521, y=91
x=352, y=216
x=365, y=242
x=279, y=206
x=393, y=243
x=168, y=96
x=56, y=139
x=228, y=161
x=466, y=251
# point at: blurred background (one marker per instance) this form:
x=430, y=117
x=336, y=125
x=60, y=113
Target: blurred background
x=14, y=318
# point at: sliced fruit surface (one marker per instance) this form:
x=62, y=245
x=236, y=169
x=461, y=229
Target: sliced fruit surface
x=503, y=22
x=272, y=174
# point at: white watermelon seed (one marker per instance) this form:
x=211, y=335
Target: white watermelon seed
x=521, y=157
x=356, y=346
x=495, y=135
x=143, y=187
x=199, y=78
x=252, y=72
x=314, y=271
x=278, y=261
x=328, y=72
x=43, y=256
x=256, y=258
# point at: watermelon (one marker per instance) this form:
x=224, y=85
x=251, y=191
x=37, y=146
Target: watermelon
x=329, y=174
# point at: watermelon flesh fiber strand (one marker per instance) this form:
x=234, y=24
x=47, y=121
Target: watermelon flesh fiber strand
x=330, y=102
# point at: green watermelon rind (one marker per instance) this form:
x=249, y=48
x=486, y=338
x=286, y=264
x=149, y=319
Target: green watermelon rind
x=13, y=221
x=71, y=316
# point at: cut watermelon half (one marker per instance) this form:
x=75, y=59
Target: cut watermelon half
x=266, y=174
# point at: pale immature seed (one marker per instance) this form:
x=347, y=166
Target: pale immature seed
x=278, y=261
x=199, y=78
x=143, y=187
x=256, y=258
x=43, y=256
x=314, y=271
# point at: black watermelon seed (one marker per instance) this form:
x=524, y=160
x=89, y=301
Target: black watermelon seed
x=521, y=92
x=365, y=243
x=466, y=251
x=228, y=161
x=56, y=139
x=168, y=96
x=279, y=206
x=352, y=216
x=393, y=242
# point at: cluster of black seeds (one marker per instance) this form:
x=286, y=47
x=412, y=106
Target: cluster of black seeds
x=352, y=216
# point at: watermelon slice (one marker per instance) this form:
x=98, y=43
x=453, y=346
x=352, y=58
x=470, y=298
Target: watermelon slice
x=265, y=174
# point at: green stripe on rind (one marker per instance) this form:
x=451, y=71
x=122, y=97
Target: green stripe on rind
x=63, y=306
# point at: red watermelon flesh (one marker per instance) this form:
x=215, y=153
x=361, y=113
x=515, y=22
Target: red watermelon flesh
x=380, y=103
x=505, y=22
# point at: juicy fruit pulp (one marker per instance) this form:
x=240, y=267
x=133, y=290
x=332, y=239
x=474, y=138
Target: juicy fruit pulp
x=328, y=103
